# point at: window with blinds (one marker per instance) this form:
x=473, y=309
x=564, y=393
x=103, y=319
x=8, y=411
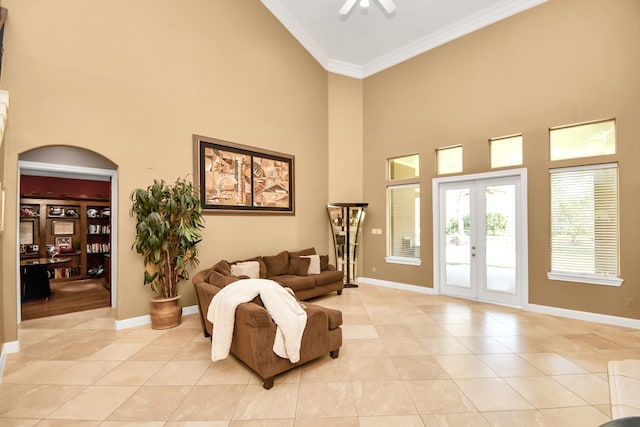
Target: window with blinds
x=403, y=210
x=404, y=221
x=584, y=224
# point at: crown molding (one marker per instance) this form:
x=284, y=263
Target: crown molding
x=458, y=29
x=346, y=69
x=465, y=26
x=299, y=33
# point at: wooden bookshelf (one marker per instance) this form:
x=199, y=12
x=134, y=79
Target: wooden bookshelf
x=79, y=229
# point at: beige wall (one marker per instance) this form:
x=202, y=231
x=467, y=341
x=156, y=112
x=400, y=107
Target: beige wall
x=345, y=139
x=2, y=261
x=566, y=61
x=133, y=81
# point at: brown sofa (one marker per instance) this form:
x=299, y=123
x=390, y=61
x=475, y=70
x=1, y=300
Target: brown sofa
x=254, y=331
x=286, y=268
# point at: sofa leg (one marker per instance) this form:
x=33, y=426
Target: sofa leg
x=267, y=383
x=339, y=292
x=334, y=353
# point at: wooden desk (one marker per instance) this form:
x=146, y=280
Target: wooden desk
x=34, y=277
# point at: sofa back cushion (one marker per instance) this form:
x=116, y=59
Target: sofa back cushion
x=297, y=254
x=277, y=265
x=222, y=267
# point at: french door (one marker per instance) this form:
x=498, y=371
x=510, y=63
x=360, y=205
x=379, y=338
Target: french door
x=481, y=236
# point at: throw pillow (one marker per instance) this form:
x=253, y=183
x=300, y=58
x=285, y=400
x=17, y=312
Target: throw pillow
x=263, y=267
x=314, y=263
x=277, y=265
x=222, y=267
x=324, y=262
x=250, y=269
x=220, y=280
x=299, y=266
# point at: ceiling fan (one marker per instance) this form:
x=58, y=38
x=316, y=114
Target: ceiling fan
x=388, y=5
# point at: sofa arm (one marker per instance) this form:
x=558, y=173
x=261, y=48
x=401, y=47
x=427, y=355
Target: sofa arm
x=254, y=315
x=204, y=294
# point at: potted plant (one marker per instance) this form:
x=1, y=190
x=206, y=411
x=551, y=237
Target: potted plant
x=168, y=222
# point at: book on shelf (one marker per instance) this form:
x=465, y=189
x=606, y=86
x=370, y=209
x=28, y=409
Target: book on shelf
x=93, y=248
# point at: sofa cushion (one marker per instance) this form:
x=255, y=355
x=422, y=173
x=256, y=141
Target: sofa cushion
x=301, y=252
x=220, y=280
x=314, y=263
x=277, y=265
x=222, y=267
x=297, y=283
x=263, y=267
x=327, y=277
x=251, y=269
x=324, y=262
x=335, y=317
x=299, y=266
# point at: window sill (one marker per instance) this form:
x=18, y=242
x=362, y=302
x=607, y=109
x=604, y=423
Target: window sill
x=591, y=279
x=403, y=260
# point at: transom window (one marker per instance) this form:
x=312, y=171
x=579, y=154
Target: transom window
x=449, y=160
x=506, y=151
x=404, y=167
x=583, y=140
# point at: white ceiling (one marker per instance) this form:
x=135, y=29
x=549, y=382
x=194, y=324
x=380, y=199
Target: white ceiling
x=367, y=41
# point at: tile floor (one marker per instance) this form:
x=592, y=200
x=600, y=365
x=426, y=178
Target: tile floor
x=407, y=360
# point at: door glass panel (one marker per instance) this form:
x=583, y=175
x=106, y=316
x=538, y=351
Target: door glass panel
x=457, y=247
x=500, y=238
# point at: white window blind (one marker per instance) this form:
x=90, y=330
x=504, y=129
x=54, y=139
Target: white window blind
x=584, y=221
x=404, y=220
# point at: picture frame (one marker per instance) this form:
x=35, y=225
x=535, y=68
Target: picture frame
x=64, y=244
x=62, y=227
x=235, y=178
x=26, y=232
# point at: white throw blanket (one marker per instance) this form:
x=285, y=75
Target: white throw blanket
x=286, y=312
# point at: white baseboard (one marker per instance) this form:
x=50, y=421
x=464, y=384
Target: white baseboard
x=544, y=309
x=397, y=285
x=7, y=348
x=145, y=320
x=584, y=315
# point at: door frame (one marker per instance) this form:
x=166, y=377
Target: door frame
x=522, y=247
x=60, y=169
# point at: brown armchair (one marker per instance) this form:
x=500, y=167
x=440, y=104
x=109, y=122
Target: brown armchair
x=254, y=333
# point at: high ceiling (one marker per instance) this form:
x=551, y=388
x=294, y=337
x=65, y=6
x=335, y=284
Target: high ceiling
x=367, y=41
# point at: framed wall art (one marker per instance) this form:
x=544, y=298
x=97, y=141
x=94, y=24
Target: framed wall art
x=64, y=244
x=62, y=227
x=238, y=178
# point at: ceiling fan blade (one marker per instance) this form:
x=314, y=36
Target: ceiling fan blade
x=346, y=7
x=388, y=5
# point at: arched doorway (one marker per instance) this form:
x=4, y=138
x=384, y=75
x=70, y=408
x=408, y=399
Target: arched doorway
x=68, y=224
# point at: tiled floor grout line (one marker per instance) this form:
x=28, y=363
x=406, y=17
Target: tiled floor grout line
x=556, y=347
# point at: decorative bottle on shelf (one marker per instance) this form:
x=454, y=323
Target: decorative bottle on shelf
x=346, y=225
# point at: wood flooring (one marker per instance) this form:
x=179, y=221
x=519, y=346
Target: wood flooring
x=68, y=297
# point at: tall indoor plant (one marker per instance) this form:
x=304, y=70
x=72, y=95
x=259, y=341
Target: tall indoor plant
x=168, y=222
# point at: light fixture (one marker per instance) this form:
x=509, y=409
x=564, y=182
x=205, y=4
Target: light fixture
x=388, y=5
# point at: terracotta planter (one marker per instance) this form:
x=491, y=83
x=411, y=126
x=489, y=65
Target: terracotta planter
x=165, y=313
